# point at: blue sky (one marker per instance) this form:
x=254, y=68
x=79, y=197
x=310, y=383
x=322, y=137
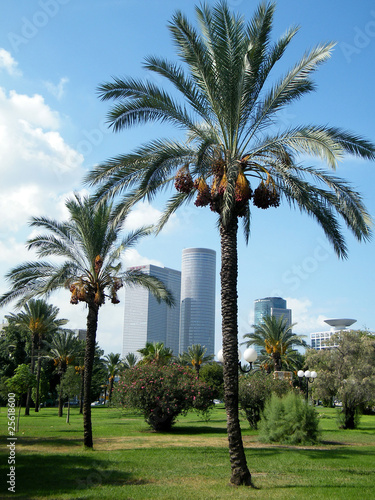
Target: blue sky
x=54, y=54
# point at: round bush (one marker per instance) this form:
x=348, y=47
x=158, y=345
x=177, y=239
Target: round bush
x=162, y=393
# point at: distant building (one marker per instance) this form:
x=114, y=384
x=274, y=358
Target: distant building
x=146, y=320
x=2, y=326
x=197, y=320
x=80, y=334
x=271, y=306
x=319, y=340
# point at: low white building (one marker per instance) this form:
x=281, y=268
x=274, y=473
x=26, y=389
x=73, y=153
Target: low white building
x=319, y=340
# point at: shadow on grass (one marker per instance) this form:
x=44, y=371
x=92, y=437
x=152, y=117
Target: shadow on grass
x=44, y=475
x=330, y=454
x=51, y=442
x=197, y=429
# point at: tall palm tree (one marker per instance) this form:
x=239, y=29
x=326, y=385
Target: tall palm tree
x=113, y=364
x=196, y=355
x=64, y=348
x=156, y=352
x=40, y=319
x=89, y=249
x=275, y=337
x=231, y=159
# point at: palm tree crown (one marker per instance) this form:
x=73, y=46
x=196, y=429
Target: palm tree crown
x=275, y=337
x=230, y=157
x=91, y=269
x=196, y=355
x=225, y=99
x=155, y=352
x=114, y=365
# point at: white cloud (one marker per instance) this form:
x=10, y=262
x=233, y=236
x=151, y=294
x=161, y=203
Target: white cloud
x=8, y=63
x=304, y=314
x=57, y=90
x=37, y=166
x=132, y=258
x=144, y=214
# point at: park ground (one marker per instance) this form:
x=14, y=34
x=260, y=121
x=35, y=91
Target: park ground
x=129, y=461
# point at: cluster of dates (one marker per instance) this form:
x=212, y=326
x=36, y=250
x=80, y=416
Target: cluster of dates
x=82, y=289
x=264, y=196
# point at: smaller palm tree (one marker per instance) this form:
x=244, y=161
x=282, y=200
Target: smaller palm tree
x=40, y=320
x=156, y=352
x=196, y=355
x=130, y=360
x=113, y=364
x=64, y=347
x=275, y=337
x=89, y=248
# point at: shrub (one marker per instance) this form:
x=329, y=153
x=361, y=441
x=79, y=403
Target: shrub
x=289, y=420
x=212, y=375
x=255, y=390
x=161, y=393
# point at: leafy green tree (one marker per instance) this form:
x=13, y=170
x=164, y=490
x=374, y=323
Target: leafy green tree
x=113, y=364
x=346, y=372
x=225, y=98
x=20, y=384
x=99, y=374
x=40, y=319
x=64, y=348
x=212, y=375
x=277, y=340
x=254, y=391
x=89, y=248
x=14, y=350
x=155, y=352
x=196, y=355
x=70, y=385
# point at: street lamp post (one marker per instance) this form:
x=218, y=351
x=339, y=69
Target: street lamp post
x=250, y=355
x=309, y=376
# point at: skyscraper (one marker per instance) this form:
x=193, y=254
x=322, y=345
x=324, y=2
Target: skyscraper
x=197, y=316
x=271, y=306
x=146, y=320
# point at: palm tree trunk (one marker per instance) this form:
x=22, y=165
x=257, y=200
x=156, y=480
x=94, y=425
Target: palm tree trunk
x=32, y=367
x=110, y=389
x=61, y=400
x=228, y=274
x=92, y=324
x=81, y=392
x=38, y=370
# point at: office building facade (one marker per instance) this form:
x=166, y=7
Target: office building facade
x=146, y=320
x=197, y=315
x=271, y=306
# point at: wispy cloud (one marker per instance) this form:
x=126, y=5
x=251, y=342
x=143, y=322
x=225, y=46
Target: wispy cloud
x=9, y=64
x=57, y=90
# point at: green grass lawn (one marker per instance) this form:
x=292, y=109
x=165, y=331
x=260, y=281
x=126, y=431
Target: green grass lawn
x=131, y=462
